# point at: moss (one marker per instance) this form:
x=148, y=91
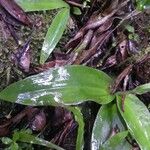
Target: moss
x=8, y=71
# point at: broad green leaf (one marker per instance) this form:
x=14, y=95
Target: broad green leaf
x=116, y=142
x=29, y=138
x=107, y=118
x=141, y=89
x=54, y=33
x=38, y=5
x=137, y=118
x=69, y=85
x=80, y=135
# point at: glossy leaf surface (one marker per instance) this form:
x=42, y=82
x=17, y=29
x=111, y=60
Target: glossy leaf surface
x=54, y=33
x=141, y=89
x=70, y=85
x=23, y=136
x=38, y=5
x=137, y=118
x=117, y=142
x=107, y=119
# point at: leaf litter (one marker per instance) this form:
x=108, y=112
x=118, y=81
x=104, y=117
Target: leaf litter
x=100, y=40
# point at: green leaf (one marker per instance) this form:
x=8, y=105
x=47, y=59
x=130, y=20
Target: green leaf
x=116, y=142
x=107, y=119
x=6, y=140
x=15, y=136
x=38, y=5
x=69, y=85
x=77, y=11
x=80, y=135
x=141, y=89
x=28, y=138
x=54, y=33
x=14, y=146
x=143, y=4
x=130, y=28
x=137, y=118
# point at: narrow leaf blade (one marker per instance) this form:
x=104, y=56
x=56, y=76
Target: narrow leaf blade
x=29, y=138
x=141, y=89
x=80, y=135
x=137, y=118
x=69, y=85
x=38, y=5
x=54, y=33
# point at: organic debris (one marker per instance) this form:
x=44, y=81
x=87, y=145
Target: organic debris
x=112, y=36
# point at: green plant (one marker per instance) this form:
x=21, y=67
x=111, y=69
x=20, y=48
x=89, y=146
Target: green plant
x=59, y=23
x=144, y=4
x=20, y=139
x=57, y=26
x=71, y=85
x=132, y=34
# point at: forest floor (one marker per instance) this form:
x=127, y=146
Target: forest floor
x=128, y=44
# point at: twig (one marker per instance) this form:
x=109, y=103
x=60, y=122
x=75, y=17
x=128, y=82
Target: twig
x=75, y=4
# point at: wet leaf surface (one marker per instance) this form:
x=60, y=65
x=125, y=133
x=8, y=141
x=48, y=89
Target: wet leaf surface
x=137, y=118
x=29, y=138
x=63, y=85
x=107, y=118
x=117, y=142
x=108, y=35
x=54, y=33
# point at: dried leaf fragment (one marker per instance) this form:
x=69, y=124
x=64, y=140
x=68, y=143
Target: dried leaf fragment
x=16, y=11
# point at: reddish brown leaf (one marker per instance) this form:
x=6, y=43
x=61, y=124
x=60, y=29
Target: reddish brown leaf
x=87, y=54
x=120, y=77
x=16, y=11
x=22, y=57
x=38, y=122
x=95, y=21
x=133, y=46
x=85, y=42
x=111, y=61
x=5, y=126
x=48, y=65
